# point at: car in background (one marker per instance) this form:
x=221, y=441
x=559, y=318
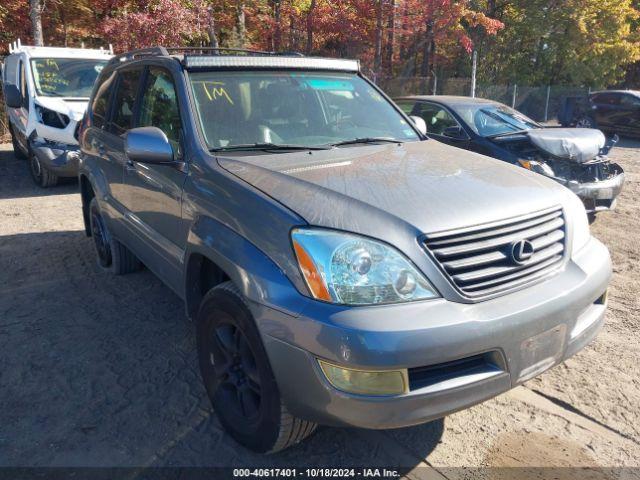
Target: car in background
x=576, y=158
x=612, y=111
x=46, y=91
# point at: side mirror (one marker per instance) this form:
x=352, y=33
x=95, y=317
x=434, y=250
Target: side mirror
x=148, y=145
x=420, y=124
x=455, y=132
x=12, y=96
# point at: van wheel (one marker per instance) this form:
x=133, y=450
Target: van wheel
x=17, y=149
x=238, y=378
x=41, y=175
x=112, y=256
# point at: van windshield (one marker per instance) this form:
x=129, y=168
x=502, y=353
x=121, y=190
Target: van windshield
x=292, y=108
x=65, y=77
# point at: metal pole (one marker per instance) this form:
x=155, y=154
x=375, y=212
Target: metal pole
x=515, y=93
x=474, y=65
x=546, y=104
x=435, y=82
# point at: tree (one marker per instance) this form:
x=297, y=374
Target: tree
x=579, y=42
x=35, y=13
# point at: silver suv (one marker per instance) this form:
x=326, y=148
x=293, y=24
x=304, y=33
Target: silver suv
x=340, y=267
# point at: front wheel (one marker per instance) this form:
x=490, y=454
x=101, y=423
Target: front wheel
x=41, y=175
x=238, y=378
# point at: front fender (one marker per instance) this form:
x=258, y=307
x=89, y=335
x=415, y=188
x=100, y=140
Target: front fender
x=259, y=279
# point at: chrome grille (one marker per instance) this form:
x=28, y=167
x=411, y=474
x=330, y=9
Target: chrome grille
x=479, y=260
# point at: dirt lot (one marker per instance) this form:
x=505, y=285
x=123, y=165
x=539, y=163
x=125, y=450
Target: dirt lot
x=101, y=371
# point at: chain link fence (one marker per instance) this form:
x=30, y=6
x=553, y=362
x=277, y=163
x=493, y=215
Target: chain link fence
x=541, y=103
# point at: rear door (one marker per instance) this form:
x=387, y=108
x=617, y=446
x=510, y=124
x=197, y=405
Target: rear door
x=154, y=192
x=606, y=110
x=630, y=114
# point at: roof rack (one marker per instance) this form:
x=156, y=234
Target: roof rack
x=142, y=52
x=217, y=51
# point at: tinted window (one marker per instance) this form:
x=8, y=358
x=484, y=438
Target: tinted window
x=124, y=101
x=159, y=106
x=630, y=101
x=100, y=105
x=437, y=118
x=606, y=98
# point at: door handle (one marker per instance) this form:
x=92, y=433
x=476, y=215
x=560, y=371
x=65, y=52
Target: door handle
x=130, y=165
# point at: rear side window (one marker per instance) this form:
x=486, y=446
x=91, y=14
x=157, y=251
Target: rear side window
x=124, y=101
x=24, y=89
x=100, y=105
x=159, y=106
x=606, y=98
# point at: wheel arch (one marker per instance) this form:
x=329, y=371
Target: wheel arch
x=216, y=253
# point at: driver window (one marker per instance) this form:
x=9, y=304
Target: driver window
x=437, y=118
x=24, y=90
x=159, y=106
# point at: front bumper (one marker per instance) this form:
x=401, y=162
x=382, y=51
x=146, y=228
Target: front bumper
x=60, y=158
x=601, y=195
x=518, y=336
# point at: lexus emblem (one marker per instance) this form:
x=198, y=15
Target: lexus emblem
x=521, y=251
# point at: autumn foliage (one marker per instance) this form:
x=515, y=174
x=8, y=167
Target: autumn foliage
x=532, y=41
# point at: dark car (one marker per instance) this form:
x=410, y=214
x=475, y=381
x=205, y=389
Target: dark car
x=574, y=157
x=612, y=111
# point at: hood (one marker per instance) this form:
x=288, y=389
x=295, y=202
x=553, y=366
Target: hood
x=577, y=144
x=74, y=109
x=427, y=186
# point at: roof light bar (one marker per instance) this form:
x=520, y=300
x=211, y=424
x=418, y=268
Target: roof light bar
x=247, y=61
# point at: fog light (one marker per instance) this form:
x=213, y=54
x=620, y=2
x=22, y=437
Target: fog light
x=366, y=382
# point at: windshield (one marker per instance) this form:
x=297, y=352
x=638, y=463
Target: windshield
x=65, y=77
x=488, y=120
x=292, y=108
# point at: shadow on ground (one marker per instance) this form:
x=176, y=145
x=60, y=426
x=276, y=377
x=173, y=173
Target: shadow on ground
x=99, y=370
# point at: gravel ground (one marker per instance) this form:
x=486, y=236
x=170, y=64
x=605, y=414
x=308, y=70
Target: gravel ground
x=101, y=371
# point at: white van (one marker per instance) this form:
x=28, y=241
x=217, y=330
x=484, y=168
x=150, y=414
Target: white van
x=46, y=92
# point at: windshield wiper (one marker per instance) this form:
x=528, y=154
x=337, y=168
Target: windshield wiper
x=268, y=146
x=367, y=140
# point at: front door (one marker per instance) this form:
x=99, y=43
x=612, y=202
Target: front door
x=154, y=192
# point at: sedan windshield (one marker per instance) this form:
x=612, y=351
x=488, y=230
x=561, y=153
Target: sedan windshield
x=489, y=120
x=259, y=108
x=65, y=77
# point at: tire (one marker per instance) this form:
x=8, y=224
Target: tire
x=586, y=122
x=111, y=255
x=17, y=149
x=238, y=377
x=42, y=176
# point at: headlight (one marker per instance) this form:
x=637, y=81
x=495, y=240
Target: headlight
x=538, y=167
x=354, y=270
x=577, y=215
x=50, y=118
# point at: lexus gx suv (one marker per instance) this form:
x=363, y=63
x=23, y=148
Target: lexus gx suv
x=340, y=267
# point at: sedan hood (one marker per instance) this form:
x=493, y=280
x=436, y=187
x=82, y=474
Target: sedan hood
x=378, y=189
